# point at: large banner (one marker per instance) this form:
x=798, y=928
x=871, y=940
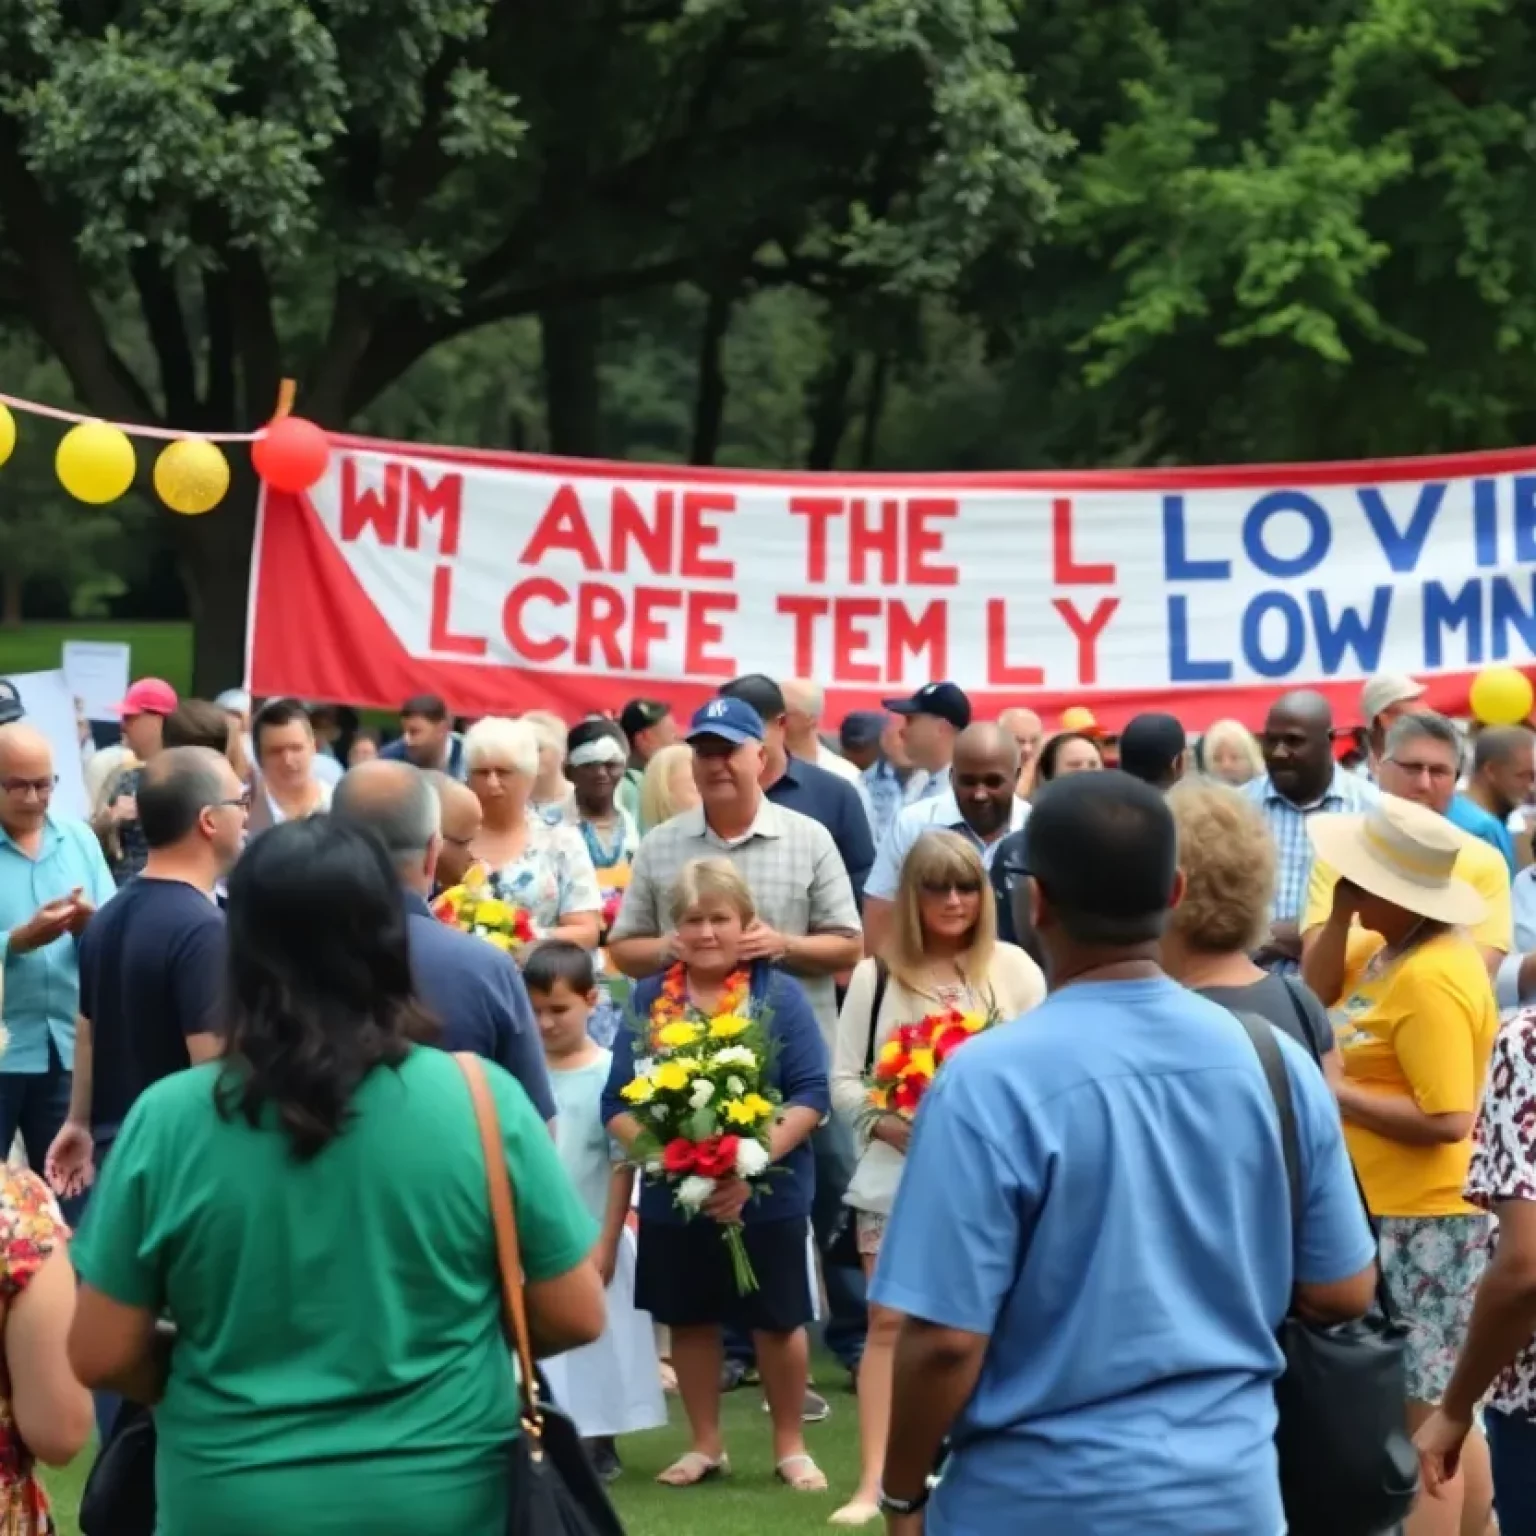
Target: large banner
x=504, y=582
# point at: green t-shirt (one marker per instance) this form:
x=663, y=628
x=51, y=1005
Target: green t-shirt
x=340, y=1365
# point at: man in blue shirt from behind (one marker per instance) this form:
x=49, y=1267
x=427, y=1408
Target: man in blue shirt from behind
x=1092, y=1242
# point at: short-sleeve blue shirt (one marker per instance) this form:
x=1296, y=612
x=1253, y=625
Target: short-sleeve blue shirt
x=1099, y=1189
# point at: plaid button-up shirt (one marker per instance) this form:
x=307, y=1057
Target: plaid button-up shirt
x=1346, y=792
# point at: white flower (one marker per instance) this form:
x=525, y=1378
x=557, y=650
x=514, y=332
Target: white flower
x=751, y=1159
x=736, y=1086
x=703, y=1092
x=654, y=1165
x=644, y=1067
x=737, y=1056
x=694, y=1191
x=659, y=1111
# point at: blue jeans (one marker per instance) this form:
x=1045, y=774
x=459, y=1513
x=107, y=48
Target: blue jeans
x=848, y=1317
x=1512, y=1449
x=37, y=1105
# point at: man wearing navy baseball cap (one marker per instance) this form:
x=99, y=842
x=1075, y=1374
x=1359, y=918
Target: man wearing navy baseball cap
x=934, y=716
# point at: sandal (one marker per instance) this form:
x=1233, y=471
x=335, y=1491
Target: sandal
x=692, y=1468
x=809, y=1479
x=855, y=1512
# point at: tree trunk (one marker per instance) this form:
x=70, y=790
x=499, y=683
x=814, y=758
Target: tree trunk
x=571, y=335
x=709, y=397
x=829, y=409
x=874, y=409
x=214, y=552
x=11, y=584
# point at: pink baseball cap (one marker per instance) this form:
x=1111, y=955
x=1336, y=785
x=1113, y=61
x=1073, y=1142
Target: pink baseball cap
x=148, y=696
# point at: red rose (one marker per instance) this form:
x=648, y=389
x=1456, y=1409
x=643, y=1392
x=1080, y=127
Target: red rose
x=889, y=1071
x=906, y=1095
x=951, y=1038
x=717, y=1157
x=911, y=1036
x=680, y=1156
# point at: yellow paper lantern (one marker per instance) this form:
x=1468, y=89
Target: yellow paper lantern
x=95, y=462
x=1501, y=696
x=7, y=433
x=191, y=476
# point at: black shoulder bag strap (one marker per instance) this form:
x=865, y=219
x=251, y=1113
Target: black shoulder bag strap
x=882, y=977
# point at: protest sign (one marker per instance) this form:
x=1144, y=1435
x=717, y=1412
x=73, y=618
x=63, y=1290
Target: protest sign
x=506, y=581
x=97, y=674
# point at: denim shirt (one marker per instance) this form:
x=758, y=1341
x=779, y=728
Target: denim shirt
x=42, y=988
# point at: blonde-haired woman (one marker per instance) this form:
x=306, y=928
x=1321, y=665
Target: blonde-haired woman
x=942, y=953
x=1229, y=752
x=554, y=796
x=667, y=786
x=683, y=1274
x=544, y=869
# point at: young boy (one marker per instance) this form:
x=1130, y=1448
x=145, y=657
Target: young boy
x=612, y=1386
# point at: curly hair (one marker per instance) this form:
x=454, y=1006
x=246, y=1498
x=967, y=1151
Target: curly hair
x=1228, y=859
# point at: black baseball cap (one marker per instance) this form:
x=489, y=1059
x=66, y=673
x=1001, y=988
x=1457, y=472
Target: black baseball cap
x=641, y=714
x=11, y=707
x=945, y=700
x=863, y=728
x=1150, y=745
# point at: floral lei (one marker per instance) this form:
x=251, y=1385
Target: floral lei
x=672, y=1005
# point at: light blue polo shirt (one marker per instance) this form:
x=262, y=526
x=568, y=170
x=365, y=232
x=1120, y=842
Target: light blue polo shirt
x=1098, y=1189
x=42, y=988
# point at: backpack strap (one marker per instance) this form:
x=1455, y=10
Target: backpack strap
x=1261, y=1036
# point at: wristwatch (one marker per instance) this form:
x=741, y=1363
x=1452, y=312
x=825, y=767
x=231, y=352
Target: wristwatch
x=890, y=1505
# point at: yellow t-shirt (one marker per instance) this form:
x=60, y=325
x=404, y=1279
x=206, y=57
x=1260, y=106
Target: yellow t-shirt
x=1479, y=864
x=1423, y=1029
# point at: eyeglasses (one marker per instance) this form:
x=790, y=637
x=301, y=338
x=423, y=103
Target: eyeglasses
x=1438, y=772
x=42, y=788
x=946, y=887
x=242, y=800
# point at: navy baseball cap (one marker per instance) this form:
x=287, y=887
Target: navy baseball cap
x=730, y=719
x=11, y=707
x=863, y=728
x=946, y=700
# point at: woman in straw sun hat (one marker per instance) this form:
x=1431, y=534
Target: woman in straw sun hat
x=1415, y=1019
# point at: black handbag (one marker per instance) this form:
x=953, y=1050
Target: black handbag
x=1347, y=1464
x=119, y=1495
x=554, y=1490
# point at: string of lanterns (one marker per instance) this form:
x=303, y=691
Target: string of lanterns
x=96, y=461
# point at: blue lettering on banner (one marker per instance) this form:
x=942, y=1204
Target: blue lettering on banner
x=1485, y=521
x=1365, y=637
x=1271, y=564
x=1444, y=611
x=1525, y=519
x=1182, y=668
x=1288, y=658
x=1402, y=549
x=1177, y=566
x=1509, y=613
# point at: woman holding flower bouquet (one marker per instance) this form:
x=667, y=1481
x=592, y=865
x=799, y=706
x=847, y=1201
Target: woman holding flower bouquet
x=943, y=967
x=715, y=1093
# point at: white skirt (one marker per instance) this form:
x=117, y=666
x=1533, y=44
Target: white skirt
x=612, y=1386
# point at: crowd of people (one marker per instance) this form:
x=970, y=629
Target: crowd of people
x=232, y=1001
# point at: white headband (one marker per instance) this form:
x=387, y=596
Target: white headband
x=602, y=750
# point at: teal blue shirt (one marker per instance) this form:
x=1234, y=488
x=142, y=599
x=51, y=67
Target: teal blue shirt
x=1472, y=818
x=42, y=988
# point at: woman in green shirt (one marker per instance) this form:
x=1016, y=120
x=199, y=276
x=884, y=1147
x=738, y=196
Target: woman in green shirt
x=311, y=1213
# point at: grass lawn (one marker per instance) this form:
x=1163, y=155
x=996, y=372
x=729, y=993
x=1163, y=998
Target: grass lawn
x=748, y=1503
x=159, y=650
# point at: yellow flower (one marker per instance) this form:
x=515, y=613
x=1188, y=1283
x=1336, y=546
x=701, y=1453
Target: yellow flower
x=921, y=1064
x=973, y=1023
x=680, y=1033
x=757, y=1106
x=688, y=1063
x=738, y=1112
x=638, y=1091
x=670, y=1077
x=728, y=1026
x=890, y=1053
x=493, y=912
x=474, y=878
x=503, y=941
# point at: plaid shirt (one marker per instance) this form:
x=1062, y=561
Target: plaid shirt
x=1293, y=849
x=790, y=863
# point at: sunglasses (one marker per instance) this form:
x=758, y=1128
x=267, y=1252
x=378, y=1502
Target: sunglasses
x=948, y=887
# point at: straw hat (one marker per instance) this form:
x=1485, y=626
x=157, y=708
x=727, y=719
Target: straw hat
x=1403, y=853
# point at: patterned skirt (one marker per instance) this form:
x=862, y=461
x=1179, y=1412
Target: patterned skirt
x=1431, y=1266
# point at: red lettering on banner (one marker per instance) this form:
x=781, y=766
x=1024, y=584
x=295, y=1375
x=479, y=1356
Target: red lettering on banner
x=804, y=611
x=365, y=508
x=851, y=637
x=535, y=589
x=1068, y=572
x=442, y=499
x=817, y=511
x=923, y=541
x=904, y=634
x=649, y=601
x=599, y=616
x=1087, y=631
x=705, y=630
x=1000, y=672
x=699, y=536
x=439, y=500
x=866, y=538
x=628, y=525
x=563, y=526
x=854, y=636
x=439, y=637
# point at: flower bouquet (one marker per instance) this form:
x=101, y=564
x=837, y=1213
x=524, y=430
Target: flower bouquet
x=701, y=1093
x=908, y=1062
x=613, y=899
x=474, y=907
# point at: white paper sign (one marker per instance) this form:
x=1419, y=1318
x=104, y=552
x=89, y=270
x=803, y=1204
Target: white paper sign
x=97, y=673
x=50, y=706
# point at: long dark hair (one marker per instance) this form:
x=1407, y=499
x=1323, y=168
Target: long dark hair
x=319, y=978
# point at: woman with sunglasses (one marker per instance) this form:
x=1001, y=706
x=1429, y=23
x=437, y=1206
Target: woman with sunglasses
x=942, y=953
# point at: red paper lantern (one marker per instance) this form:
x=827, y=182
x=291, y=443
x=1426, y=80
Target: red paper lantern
x=291, y=454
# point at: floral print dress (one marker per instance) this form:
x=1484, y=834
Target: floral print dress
x=31, y=1227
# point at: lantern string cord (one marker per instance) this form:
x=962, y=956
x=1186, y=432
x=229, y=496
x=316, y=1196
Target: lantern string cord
x=132, y=428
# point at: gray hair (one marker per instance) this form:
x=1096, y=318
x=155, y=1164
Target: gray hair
x=1425, y=725
x=400, y=808
x=514, y=742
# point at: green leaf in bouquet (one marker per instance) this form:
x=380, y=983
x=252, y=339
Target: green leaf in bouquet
x=702, y=1124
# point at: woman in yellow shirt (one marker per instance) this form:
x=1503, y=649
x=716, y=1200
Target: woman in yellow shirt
x=1414, y=1015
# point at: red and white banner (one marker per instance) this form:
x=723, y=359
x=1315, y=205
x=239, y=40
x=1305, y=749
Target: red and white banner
x=505, y=582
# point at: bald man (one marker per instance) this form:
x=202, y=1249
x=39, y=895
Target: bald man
x=475, y=990
x=461, y=817
x=53, y=876
x=1302, y=780
x=981, y=805
x=1026, y=728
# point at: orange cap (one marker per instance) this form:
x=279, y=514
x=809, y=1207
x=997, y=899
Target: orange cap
x=1081, y=719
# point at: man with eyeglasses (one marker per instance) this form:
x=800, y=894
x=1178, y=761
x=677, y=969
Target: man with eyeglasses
x=1421, y=758
x=53, y=876
x=461, y=818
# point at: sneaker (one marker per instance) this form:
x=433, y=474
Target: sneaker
x=605, y=1459
x=732, y=1374
x=815, y=1410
